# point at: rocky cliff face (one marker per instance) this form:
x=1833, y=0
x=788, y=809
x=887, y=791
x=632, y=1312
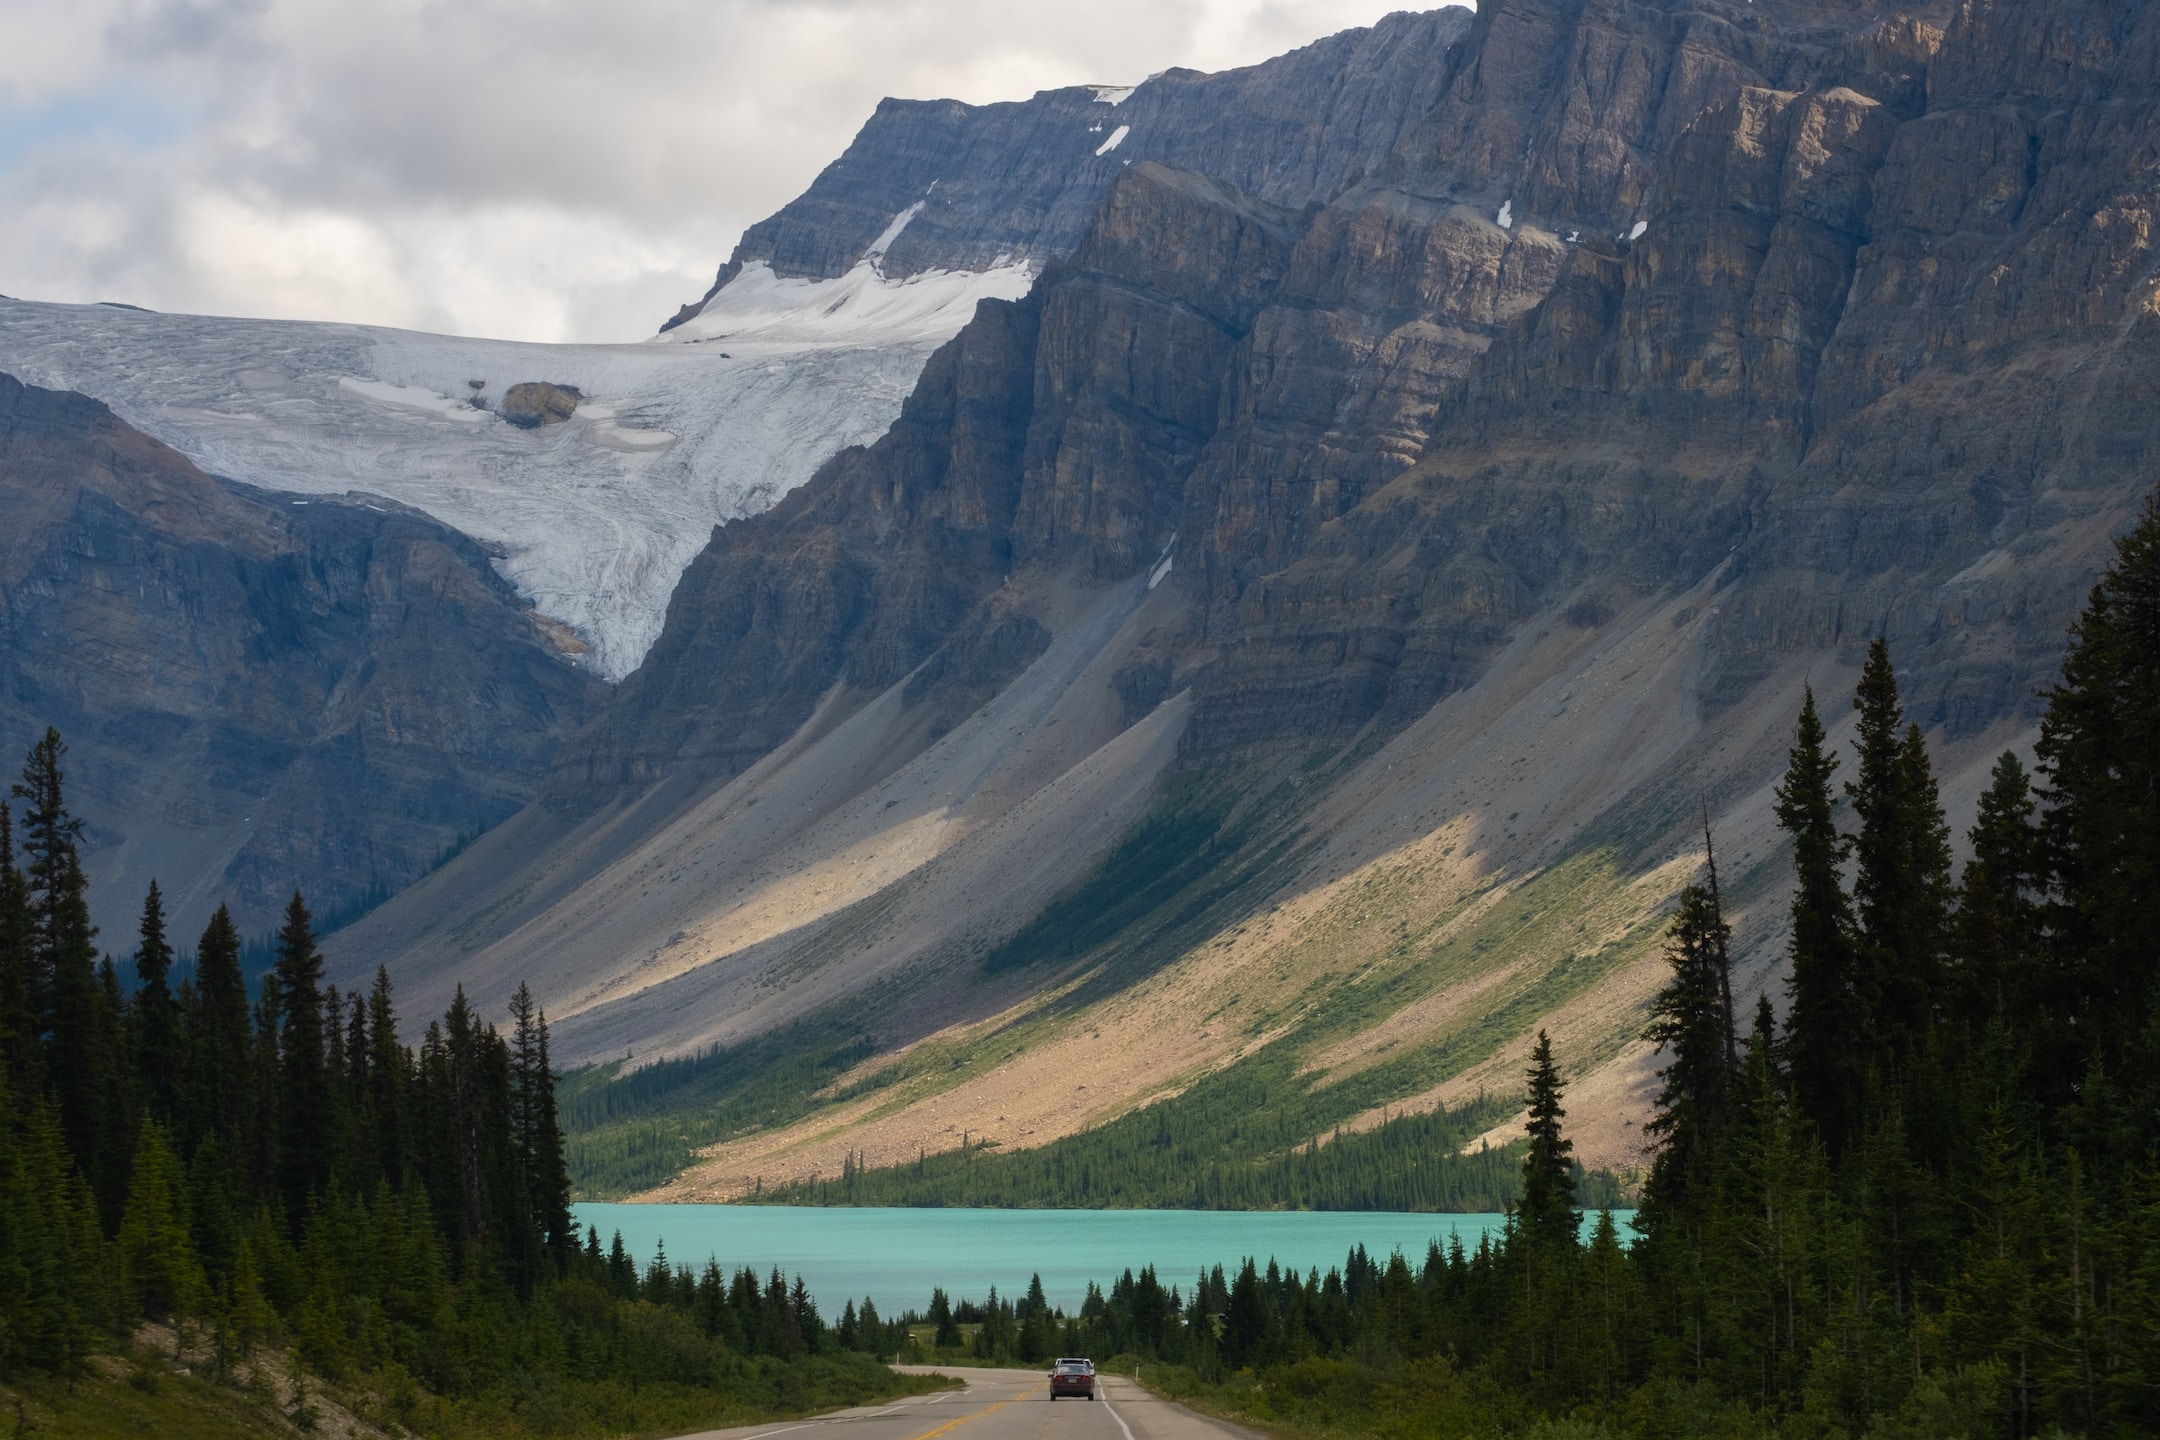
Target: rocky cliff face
x=1053, y=430
x=989, y=185
x=259, y=691
x=1492, y=514
x=1885, y=271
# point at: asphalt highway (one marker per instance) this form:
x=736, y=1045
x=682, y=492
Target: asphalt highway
x=1002, y=1405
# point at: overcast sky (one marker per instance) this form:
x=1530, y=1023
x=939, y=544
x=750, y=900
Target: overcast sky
x=542, y=170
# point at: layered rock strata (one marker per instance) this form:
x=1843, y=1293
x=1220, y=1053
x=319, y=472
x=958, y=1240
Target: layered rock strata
x=988, y=185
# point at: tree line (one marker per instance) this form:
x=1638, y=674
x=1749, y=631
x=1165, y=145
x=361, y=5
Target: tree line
x=1181, y=1157
x=283, y=1168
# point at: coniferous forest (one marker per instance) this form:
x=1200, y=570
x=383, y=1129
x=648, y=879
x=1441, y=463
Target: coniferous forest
x=1925, y=1203
x=283, y=1174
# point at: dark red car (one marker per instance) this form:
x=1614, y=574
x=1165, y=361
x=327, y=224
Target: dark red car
x=1072, y=1377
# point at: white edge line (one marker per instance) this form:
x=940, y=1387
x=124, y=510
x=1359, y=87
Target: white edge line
x=1117, y=1417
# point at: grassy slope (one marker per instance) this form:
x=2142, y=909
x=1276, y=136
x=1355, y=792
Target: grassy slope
x=1186, y=878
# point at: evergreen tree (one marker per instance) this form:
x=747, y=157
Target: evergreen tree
x=65, y=993
x=18, y=1010
x=1823, y=1020
x=1901, y=887
x=2100, y=755
x=220, y=1079
x=389, y=1079
x=947, y=1333
x=156, y=1254
x=307, y=1109
x=1692, y=1026
x=1547, y=1212
x=155, y=1035
x=536, y=1132
x=1997, y=916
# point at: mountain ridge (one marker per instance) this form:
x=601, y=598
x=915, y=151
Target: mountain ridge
x=1537, y=473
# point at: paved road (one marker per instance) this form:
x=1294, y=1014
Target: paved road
x=1002, y=1405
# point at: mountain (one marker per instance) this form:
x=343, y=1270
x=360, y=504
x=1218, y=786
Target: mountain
x=931, y=188
x=256, y=688
x=1343, y=620
x=591, y=475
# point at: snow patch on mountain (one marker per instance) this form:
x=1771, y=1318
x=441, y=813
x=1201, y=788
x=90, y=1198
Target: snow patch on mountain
x=594, y=519
x=892, y=232
x=777, y=310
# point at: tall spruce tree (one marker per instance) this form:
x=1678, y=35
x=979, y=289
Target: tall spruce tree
x=1997, y=914
x=154, y=1029
x=535, y=1130
x=1547, y=1211
x=2100, y=755
x=308, y=1128
x=389, y=1079
x=220, y=1081
x=1823, y=1019
x=1691, y=1025
x=70, y=1004
x=1901, y=885
x=18, y=1014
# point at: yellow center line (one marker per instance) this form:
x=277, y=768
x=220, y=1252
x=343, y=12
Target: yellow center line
x=962, y=1420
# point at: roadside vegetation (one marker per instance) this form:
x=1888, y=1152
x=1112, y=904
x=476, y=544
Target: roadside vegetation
x=319, y=1220
x=1925, y=1204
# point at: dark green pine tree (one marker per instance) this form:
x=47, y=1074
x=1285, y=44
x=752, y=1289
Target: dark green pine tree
x=1547, y=1211
x=72, y=1006
x=389, y=1085
x=1823, y=1021
x=155, y=1038
x=18, y=1011
x=308, y=1128
x=1901, y=887
x=2100, y=756
x=535, y=1129
x=220, y=1072
x=463, y=1109
x=1691, y=1025
x=264, y=1168
x=359, y=1163
x=1997, y=914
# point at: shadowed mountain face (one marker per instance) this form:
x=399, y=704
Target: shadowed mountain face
x=1487, y=519
x=257, y=690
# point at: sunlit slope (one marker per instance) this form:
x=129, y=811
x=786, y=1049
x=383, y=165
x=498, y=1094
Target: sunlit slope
x=1383, y=928
x=876, y=845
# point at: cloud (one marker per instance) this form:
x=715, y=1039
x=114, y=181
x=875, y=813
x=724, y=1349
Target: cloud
x=540, y=170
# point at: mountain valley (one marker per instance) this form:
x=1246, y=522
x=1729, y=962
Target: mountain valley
x=1275, y=598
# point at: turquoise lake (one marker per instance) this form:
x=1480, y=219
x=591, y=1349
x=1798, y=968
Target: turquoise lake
x=895, y=1256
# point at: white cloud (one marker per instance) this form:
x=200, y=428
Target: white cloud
x=543, y=169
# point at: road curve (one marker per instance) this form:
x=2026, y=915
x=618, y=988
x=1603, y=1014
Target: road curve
x=1001, y=1405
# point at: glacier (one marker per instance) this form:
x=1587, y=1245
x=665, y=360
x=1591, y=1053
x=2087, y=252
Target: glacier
x=594, y=519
